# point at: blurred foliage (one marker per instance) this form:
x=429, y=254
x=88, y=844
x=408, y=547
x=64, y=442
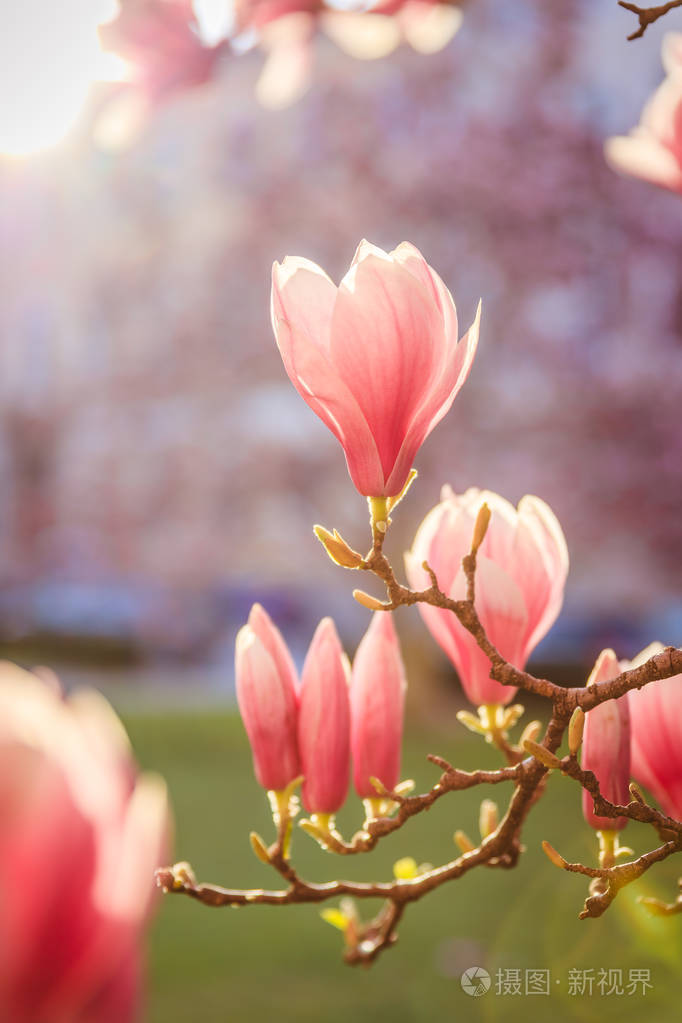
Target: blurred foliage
x=212, y=966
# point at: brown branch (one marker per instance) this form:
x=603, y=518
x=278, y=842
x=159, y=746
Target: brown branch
x=502, y=847
x=648, y=15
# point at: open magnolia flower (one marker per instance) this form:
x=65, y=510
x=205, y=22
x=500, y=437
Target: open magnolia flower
x=520, y=574
x=377, y=359
x=80, y=838
x=653, y=150
x=657, y=735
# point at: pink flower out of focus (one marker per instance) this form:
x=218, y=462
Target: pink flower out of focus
x=606, y=747
x=266, y=693
x=653, y=150
x=521, y=570
x=656, y=725
x=80, y=838
x=377, y=699
x=377, y=359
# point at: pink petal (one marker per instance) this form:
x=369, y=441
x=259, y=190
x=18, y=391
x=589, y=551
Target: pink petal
x=386, y=345
x=303, y=294
x=319, y=384
x=644, y=158
x=436, y=402
x=274, y=643
x=377, y=698
x=324, y=723
x=267, y=703
x=541, y=567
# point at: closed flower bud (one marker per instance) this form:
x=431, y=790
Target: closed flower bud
x=377, y=699
x=324, y=722
x=266, y=694
x=521, y=569
x=606, y=747
x=376, y=358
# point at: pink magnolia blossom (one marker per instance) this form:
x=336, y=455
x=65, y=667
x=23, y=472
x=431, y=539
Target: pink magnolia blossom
x=79, y=841
x=606, y=747
x=324, y=722
x=653, y=150
x=377, y=700
x=377, y=359
x=657, y=736
x=521, y=571
x=266, y=693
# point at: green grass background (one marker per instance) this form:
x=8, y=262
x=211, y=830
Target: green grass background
x=209, y=965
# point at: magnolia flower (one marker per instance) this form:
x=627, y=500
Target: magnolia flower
x=606, y=747
x=81, y=836
x=324, y=722
x=377, y=359
x=657, y=735
x=266, y=693
x=521, y=570
x=377, y=701
x=653, y=150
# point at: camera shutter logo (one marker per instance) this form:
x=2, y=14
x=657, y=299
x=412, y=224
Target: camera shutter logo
x=475, y=981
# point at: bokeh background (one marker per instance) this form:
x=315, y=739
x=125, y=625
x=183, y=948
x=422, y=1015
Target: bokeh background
x=159, y=473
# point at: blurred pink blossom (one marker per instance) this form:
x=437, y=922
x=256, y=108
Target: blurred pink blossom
x=606, y=747
x=324, y=722
x=653, y=149
x=657, y=736
x=79, y=841
x=521, y=570
x=377, y=700
x=377, y=359
x=266, y=693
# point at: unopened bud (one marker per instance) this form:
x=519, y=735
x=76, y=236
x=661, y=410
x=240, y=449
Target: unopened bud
x=576, y=727
x=259, y=847
x=405, y=869
x=480, y=528
x=556, y=858
x=636, y=793
x=369, y=602
x=488, y=817
x=463, y=841
x=336, y=917
x=336, y=547
x=530, y=732
x=541, y=754
x=183, y=875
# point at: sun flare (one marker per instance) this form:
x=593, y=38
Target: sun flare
x=50, y=58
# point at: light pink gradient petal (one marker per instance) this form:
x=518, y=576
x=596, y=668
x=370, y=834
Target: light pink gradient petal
x=377, y=699
x=70, y=862
x=273, y=641
x=542, y=564
x=606, y=747
x=653, y=150
x=319, y=384
x=267, y=702
x=521, y=571
x=386, y=343
x=657, y=736
x=376, y=359
x=324, y=722
x=437, y=403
